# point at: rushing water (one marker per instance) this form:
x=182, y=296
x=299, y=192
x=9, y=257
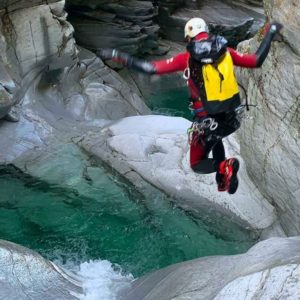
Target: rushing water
x=100, y=226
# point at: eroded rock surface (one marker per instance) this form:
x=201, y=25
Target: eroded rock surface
x=261, y=273
x=273, y=157
x=126, y=25
x=24, y=274
x=225, y=18
x=155, y=148
x=35, y=36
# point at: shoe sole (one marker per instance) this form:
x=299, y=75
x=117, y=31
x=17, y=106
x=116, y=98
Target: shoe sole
x=234, y=182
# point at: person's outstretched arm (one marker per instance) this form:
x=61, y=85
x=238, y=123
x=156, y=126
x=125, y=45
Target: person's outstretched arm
x=256, y=59
x=176, y=63
x=127, y=60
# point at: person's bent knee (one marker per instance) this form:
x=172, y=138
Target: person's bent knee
x=199, y=169
x=204, y=167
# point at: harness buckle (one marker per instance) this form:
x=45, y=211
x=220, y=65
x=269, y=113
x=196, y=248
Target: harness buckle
x=209, y=123
x=186, y=73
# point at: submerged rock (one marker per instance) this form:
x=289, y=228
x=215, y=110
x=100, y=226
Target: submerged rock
x=269, y=270
x=24, y=274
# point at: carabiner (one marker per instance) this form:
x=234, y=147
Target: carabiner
x=186, y=73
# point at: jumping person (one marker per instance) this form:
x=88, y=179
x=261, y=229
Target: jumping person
x=207, y=66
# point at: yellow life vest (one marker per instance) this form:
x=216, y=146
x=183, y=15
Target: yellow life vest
x=216, y=83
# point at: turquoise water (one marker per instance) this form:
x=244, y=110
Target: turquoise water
x=89, y=213
x=109, y=220
x=172, y=103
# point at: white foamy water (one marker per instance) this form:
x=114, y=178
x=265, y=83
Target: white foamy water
x=101, y=280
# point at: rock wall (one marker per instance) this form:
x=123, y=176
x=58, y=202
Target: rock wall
x=135, y=26
x=33, y=39
x=235, y=24
x=127, y=25
x=58, y=89
x=270, y=141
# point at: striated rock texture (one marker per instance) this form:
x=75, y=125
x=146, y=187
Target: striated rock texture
x=135, y=26
x=270, y=141
x=269, y=270
x=32, y=40
x=38, y=40
x=226, y=18
x=24, y=274
x=61, y=91
x=127, y=25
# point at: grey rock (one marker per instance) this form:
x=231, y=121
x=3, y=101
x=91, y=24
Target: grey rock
x=33, y=39
x=269, y=270
x=24, y=274
x=13, y=115
x=7, y=91
x=235, y=24
x=127, y=25
x=156, y=149
x=11, y=5
x=273, y=157
x=152, y=85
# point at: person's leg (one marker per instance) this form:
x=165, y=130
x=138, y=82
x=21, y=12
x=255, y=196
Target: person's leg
x=218, y=152
x=226, y=174
x=219, y=156
x=200, y=147
x=228, y=169
x=199, y=151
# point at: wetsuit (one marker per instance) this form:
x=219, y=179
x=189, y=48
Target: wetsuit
x=201, y=145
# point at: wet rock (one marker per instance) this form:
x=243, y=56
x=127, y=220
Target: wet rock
x=24, y=274
x=155, y=148
x=273, y=157
x=7, y=90
x=33, y=39
x=66, y=103
x=269, y=270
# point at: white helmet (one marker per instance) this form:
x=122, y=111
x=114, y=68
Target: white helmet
x=194, y=26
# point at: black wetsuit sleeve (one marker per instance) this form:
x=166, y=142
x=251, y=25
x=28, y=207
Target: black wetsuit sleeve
x=127, y=60
x=264, y=48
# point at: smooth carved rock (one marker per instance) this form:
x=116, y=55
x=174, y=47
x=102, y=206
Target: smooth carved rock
x=63, y=104
x=232, y=21
x=24, y=274
x=156, y=149
x=127, y=25
x=12, y=5
x=33, y=39
x=273, y=157
x=7, y=90
x=269, y=270
x=41, y=38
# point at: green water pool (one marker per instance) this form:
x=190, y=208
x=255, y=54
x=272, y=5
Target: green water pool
x=109, y=220
x=90, y=213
